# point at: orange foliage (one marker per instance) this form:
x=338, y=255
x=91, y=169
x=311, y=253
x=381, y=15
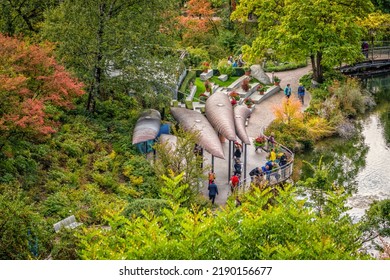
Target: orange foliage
x=30, y=81
x=290, y=109
x=197, y=17
x=200, y=9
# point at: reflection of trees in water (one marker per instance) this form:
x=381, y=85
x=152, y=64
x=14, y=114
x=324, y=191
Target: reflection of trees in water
x=348, y=156
x=345, y=158
x=384, y=117
x=380, y=87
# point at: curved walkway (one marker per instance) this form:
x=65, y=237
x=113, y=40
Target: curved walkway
x=261, y=117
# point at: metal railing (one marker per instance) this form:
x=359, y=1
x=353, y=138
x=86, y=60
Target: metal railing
x=274, y=176
x=379, y=53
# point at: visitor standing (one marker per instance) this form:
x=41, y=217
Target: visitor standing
x=237, y=167
x=365, y=48
x=301, y=93
x=272, y=155
x=237, y=150
x=255, y=174
x=234, y=181
x=287, y=91
x=271, y=141
x=213, y=191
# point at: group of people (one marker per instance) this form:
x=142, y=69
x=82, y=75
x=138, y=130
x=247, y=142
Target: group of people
x=236, y=62
x=258, y=174
x=301, y=92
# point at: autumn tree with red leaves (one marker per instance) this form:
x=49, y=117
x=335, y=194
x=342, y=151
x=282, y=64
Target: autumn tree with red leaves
x=197, y=18
x=32, y=85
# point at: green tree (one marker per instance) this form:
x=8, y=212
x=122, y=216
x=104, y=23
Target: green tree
x=326, y=31
x=181, y=158
x=115, y=46
x=23, y=17
x=383, y=5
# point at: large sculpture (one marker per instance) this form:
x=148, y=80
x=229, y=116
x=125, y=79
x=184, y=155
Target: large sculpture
x=147, y=126
x=241, y=113
x=192, y=120
x=219, y=112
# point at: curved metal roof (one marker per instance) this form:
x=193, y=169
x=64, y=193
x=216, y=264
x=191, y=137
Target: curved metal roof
x=195, y=121
x=241, y=113
x=170, y=140
x=147, y=126
x=219, y=112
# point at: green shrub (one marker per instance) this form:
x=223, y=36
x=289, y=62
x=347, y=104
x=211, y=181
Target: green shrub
x=225, y=68
x=135, y=207
x=196, y=56
x=283, y=66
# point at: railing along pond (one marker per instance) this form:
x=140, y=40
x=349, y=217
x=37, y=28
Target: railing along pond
x=275, y=176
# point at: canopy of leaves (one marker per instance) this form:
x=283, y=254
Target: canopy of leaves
x=23, y=17
x=257, y=229
x=301, y=28
x=32, y=85
x=116, y=46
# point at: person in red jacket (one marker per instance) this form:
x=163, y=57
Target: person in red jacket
x=234, y=181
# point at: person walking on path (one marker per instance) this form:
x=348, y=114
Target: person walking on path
x=213, y=191
x=211, y=176
x=287, y=91
x=301, y=93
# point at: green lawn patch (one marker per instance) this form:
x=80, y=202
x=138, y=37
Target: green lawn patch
x=227, y=83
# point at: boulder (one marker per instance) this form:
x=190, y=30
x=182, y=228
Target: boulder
x=223, y=77
x=258, y=73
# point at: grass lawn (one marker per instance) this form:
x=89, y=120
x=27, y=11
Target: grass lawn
x=200, y=88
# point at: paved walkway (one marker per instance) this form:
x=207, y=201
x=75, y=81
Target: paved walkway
x=261, y=117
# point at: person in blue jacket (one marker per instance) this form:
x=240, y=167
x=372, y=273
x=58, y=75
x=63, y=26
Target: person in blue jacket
x=213, y=191
x=301, y=93
x=287, y=91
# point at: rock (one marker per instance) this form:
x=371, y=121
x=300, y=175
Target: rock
x=258, y=73
x=207, y=75
x=223, y=77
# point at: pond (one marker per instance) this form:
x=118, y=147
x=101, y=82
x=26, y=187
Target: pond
x=361, y=164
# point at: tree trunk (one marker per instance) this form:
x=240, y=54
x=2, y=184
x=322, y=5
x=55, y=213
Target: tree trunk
x=316, y=65
x=97, y=71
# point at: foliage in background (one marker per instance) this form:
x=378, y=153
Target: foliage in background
x=19, y=17
x=115, y=49
x=306, y=28
x=277, y=67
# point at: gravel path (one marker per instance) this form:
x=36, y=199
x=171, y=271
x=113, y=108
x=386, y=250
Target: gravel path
x=262, y=116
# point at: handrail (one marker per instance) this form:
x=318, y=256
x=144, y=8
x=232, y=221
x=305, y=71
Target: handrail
x=275, y=176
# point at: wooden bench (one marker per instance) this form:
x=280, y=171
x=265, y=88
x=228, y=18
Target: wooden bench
x=69, y=222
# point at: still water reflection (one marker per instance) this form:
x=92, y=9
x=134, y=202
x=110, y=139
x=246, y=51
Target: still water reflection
x=361, y=164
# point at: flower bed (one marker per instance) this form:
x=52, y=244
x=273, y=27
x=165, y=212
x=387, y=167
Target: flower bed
x=260, y=141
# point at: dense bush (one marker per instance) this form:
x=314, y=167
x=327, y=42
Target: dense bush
x=283, y=66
